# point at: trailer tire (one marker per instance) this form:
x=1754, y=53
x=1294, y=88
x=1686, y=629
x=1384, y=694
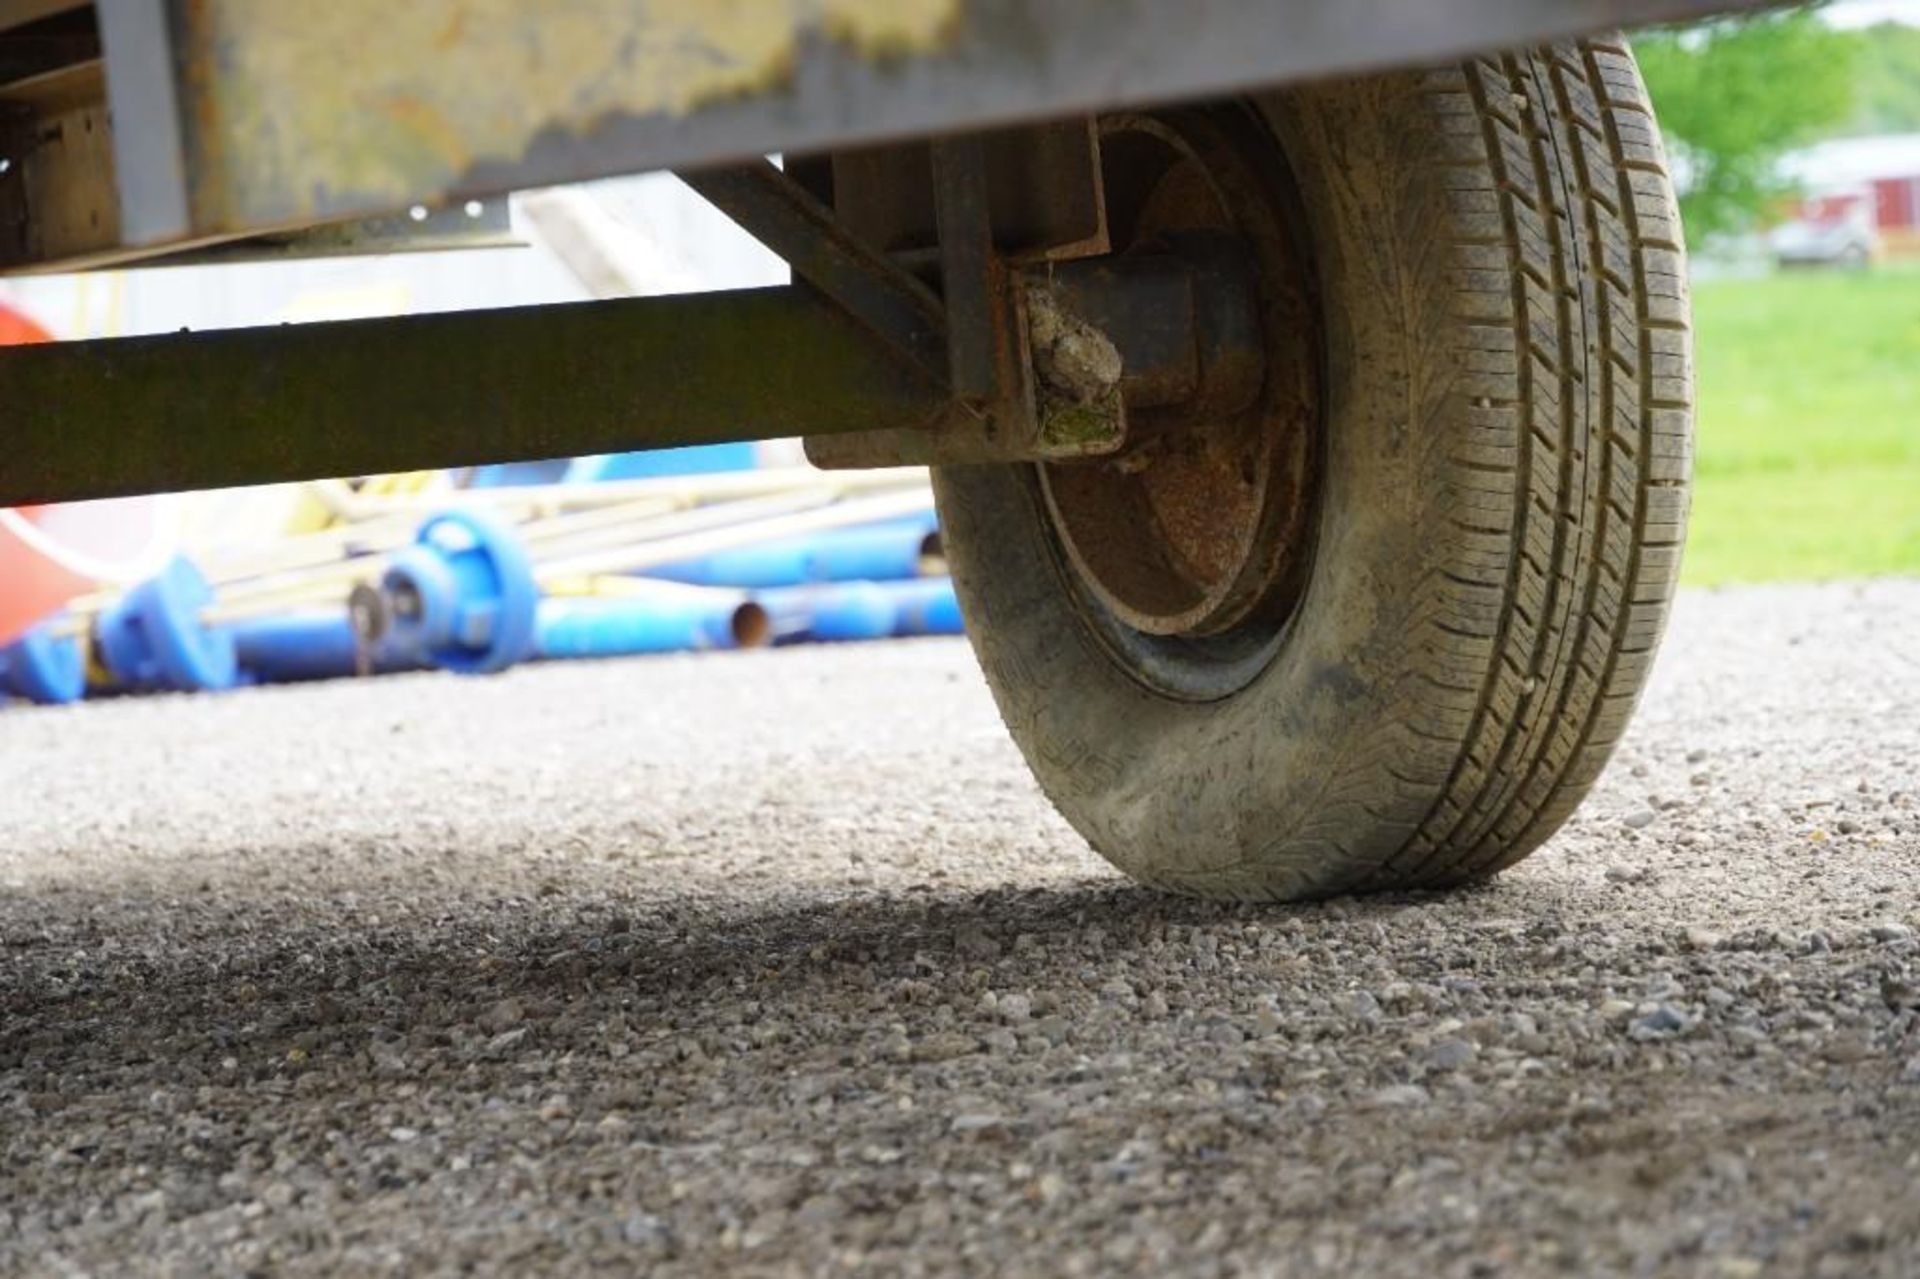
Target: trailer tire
x=1498, y=460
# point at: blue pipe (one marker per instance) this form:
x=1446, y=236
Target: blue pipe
x=464, y=598
x=873, y=552
x=589, y=627
x=828, y=612
x=310, y=645
x=926, y=607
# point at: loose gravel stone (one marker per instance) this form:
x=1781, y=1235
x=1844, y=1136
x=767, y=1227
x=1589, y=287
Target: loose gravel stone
x=1449, y=1054
x=777, y=964
x=1399, y=1097
x=1658, y=1022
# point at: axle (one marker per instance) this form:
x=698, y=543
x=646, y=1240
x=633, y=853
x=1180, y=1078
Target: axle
x=127, y=415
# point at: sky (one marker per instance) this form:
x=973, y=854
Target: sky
x=1864, y=13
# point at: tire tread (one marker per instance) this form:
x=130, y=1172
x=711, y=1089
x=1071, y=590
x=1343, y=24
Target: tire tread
x=1610, y=469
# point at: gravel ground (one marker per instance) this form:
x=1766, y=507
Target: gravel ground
x=778, y=963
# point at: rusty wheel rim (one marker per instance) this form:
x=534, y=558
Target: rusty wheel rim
x=1191, y=547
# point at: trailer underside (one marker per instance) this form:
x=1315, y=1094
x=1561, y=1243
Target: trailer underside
x=1308, y=386
x=144, y=129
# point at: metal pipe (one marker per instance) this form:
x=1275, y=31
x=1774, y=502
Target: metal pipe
x=828, y=612
x=669, y=549
x=707, y=530
x=568, y=534
x=681, y=490
x=314, y=644
x=572, y=535
x=884, y=552
x=324, y=551
x=927, y=607
x=586, y=627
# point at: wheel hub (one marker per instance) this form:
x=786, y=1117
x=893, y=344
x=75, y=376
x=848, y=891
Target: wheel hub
x=1200, y=530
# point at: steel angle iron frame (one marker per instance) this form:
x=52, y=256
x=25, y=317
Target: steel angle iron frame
x=137, y=129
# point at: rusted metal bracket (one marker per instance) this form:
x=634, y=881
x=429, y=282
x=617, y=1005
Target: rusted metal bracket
x=1046, y=363
x=883, y=298
x=984, y=350
x=1031, y=379
x=972, y=337
x=1145, y=331
x=1186, y=318
x=1045, y=193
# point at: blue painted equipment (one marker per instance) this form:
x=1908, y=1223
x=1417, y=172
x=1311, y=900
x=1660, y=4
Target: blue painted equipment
x=873, y=552
x=926, y=607
x=48, y=669
x=662, y=623
x=311, y=644
x=463, y=595
x=152, y=638
x=514, y=475
x=694, y=459
x=828, y=611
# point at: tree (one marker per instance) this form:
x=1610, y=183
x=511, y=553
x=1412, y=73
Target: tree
x=1888, y=78
x=1736, y=94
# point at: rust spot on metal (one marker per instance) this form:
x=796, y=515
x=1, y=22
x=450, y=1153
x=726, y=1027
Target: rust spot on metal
x=431, y=128
x=1078, y=370
x=1201, y=525
x=384, y=102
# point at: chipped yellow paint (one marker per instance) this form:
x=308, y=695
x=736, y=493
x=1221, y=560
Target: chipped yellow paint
x=386, y=100
x=891, y=29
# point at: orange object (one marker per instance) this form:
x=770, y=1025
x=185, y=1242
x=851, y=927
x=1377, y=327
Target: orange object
x=59, y=552
x=17, y=329
x=51, y=554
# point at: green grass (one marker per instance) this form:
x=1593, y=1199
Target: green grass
x=1808, y=457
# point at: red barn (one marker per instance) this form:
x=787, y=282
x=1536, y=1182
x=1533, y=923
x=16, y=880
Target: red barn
x=1874, y=179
